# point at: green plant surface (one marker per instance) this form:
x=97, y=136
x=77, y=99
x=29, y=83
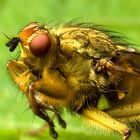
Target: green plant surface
x=15, y=118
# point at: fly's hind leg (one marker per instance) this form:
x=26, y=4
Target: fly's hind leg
x=39, y=111
x=101, y=119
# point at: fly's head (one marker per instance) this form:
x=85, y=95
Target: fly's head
x=36, y=42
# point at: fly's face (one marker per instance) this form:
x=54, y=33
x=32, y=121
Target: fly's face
x=78, y=67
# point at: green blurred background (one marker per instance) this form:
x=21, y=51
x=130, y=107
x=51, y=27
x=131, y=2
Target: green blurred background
x=120, y=15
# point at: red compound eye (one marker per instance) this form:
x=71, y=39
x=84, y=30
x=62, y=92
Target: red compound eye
x=40, y=45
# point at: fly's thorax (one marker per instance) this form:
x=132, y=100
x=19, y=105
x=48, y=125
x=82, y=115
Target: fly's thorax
x=78, y=48
x=88, y=42
x=75, y=70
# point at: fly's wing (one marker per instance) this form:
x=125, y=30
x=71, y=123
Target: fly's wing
x=129, y=105
x=132, y=78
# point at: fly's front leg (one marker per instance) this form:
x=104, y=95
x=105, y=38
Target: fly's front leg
x=22, y=77
x=61, y=121
x=57, y=113
x=20, y=74
x=59, y=118
x=103, y=120
x=39, y=111
x=16, y=67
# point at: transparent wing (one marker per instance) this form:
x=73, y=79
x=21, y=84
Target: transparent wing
x=129, y=106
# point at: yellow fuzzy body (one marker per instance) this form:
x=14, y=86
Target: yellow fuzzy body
x=83, y=65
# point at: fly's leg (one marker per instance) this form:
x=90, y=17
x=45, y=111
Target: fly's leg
x=45, y=126
x=22, y=77
x=57, y=114
x=16, y=68
x=61, y=121
x=20, y=74
x=101, y=119
x=36, y=108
